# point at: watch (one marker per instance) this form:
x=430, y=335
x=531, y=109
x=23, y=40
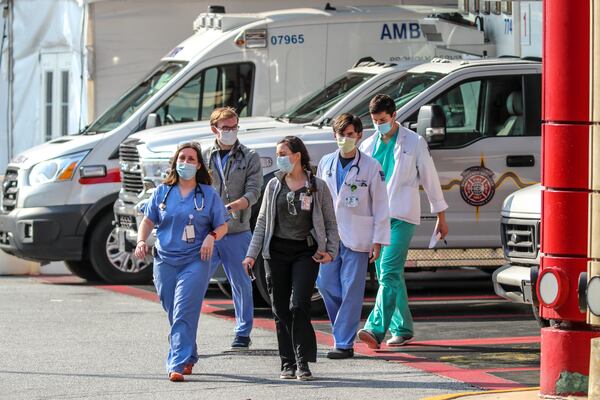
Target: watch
x=213, y=234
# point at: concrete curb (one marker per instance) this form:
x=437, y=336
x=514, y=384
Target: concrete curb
x=479, y=394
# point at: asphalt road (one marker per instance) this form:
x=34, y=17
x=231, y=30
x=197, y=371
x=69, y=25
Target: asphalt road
x=62, y=338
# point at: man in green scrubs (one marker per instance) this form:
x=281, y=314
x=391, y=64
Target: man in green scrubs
x=407, y=165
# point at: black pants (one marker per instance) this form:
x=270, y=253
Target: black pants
x=291, y=276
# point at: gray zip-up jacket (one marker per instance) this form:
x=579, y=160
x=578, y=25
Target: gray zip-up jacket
x=243, y=178
x=323, y=217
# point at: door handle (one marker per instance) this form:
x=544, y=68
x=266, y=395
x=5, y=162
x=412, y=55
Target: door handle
x=520, y=161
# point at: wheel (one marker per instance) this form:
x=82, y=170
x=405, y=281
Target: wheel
x=317, y=305
x=113, y=265
x=225, y=288
x=542, y=322
x=84, y=270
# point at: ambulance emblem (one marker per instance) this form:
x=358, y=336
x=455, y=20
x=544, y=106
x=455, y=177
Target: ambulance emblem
x=477, y=186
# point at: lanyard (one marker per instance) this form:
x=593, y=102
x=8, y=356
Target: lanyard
x=219, y=164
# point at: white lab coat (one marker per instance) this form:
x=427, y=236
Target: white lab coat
x=369, y=222
x=414, y=166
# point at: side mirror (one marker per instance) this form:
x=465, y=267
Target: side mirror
x=153, y=121
x=431, y=124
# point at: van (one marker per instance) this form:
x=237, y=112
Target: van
x=520, y=229
x=141, y=176
x=486, y=146
x=57, y=198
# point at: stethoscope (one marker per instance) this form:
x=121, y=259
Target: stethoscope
x=197, y=189
x=355, y=165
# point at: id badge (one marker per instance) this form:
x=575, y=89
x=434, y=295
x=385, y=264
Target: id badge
x=189, y=235
x=351, y=201
x=305, y=201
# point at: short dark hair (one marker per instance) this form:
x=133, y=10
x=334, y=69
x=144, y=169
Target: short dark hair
x=202, y=175
x=345, y=120
x=382, y=103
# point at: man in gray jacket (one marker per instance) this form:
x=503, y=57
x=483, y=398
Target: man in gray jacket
x=237, y=177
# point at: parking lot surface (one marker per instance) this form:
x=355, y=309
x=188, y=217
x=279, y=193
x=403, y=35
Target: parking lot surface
x=61, y=338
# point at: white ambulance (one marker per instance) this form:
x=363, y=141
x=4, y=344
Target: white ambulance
x=57, y=198
x=488, y=147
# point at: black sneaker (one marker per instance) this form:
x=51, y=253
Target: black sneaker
x=303, y=373
x=288, y=371
x=340, y=354
x=241, y=343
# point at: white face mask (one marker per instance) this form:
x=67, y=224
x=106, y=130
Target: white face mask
x=229, y=137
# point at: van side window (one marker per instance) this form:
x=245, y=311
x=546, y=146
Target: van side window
x=220, y=86
x=492, y=106
x=532, y=100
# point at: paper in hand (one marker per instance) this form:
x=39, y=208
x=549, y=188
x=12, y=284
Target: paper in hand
x=435, y=237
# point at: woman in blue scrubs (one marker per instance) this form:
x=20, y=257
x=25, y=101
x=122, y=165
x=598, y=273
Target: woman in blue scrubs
x=189, y=217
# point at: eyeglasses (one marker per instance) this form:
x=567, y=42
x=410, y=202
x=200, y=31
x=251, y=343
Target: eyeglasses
x=227, y=129
x=290, y=200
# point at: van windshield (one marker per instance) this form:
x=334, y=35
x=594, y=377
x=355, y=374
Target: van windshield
x=402, y=90
x=135, y=98
x=315, y=105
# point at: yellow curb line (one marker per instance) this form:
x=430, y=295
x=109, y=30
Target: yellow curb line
x=459, y=395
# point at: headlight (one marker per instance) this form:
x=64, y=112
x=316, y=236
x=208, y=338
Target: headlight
x=57, y=169
x=155, y=171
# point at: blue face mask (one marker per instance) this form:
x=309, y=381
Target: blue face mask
x=284, y=164
x=186, y=171
x=383, y=129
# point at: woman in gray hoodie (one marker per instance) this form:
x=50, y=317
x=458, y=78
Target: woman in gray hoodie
x=296, y=231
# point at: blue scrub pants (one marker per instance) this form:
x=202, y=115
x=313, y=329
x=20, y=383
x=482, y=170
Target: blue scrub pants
x=231, y=251
x=181, y=289
x=342, y=285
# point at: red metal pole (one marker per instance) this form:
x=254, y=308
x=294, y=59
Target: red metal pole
x=568, y=63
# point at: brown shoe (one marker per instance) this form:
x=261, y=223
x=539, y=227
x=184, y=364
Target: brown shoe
x=175, y=377
x=187, y=369
x=368, y=338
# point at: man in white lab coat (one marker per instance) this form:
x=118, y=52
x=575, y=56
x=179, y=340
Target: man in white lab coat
x=360, y=198
x=407, y=164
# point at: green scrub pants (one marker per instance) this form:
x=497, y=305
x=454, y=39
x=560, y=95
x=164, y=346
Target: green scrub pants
x=391, y=304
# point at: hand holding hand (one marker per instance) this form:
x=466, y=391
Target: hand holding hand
x=141, y=250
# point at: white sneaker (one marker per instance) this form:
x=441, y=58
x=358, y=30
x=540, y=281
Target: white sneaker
x=397, y=341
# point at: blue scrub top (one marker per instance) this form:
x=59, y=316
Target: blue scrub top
x=341, y=173
x=171, y=222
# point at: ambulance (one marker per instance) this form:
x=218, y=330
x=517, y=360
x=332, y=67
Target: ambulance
x=486, y=146
x=57, y=198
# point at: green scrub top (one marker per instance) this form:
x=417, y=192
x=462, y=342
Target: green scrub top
x=384, y=153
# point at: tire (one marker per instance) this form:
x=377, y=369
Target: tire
x=317, y=305
x=84, y=270
x=542, y=322
x=111, y=264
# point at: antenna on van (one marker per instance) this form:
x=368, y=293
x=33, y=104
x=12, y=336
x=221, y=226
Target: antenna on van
x=329, y=7
x=213, y=9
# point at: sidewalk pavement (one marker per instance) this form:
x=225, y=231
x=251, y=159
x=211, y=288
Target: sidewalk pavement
x=73, y=341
